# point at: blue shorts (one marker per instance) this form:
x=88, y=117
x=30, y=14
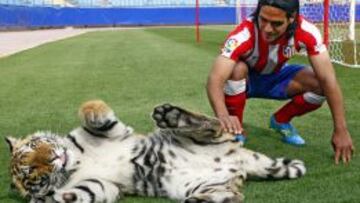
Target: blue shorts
x=271, y=86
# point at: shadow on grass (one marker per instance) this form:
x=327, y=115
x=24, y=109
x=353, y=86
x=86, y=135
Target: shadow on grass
x=259, y=137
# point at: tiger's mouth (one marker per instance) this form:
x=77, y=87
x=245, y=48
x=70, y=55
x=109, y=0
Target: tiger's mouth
x=64, y=158
x=61, y=160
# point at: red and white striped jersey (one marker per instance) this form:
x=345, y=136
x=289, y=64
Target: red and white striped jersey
x=245, y=44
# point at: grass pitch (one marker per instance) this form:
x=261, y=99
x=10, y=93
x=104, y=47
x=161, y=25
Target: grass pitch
x=134, y=70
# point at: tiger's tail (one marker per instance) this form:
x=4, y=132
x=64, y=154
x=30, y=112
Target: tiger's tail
x=262, y=166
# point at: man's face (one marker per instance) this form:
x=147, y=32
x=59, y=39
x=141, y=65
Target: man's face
x=273, y=23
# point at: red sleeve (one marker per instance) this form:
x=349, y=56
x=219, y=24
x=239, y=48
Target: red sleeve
x=309, y=38
x=239, y=42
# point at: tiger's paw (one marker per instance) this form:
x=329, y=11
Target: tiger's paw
x=167, y=116
x=67, y=197
x=96, y=114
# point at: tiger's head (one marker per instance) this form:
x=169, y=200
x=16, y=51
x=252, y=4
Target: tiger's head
x=37, y=163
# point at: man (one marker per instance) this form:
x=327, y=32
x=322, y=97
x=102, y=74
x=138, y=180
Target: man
x=253, y=64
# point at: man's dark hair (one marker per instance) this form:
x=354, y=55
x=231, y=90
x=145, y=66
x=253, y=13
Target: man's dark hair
x=291, y=7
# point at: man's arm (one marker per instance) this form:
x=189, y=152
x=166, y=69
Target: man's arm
x=341, y=139
x=219, y=74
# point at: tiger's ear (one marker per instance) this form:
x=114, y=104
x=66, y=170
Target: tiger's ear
x=11, y=141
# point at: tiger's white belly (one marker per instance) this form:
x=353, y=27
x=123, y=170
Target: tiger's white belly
x=113, y=160
x=108, y=159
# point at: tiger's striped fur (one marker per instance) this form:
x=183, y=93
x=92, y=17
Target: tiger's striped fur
x=188, y=158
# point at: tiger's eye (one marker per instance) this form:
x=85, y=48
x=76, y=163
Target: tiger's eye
x=31, y=169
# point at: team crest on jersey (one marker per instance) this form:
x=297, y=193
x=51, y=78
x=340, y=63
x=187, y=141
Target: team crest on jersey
x=230, y=45
x=289, y=51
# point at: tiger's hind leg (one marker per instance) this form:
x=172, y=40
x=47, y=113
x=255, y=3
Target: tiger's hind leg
x=186, y=123
x=169, y=116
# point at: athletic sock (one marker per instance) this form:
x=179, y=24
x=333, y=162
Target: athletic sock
x=235, y=97
x=299, y=105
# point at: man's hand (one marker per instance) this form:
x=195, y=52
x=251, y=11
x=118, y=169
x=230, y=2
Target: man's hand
x=343, y=146
x=231, y=124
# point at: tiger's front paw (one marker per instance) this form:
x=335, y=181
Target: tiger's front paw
x=96, y=114
x=73, y=196
x=167, y=116
x=67, y=197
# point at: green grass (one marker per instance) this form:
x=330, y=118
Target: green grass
x=134, y=70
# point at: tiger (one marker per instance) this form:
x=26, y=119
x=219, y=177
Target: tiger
x=188, y=158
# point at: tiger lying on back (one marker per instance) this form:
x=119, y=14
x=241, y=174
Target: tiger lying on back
x=189, y=158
